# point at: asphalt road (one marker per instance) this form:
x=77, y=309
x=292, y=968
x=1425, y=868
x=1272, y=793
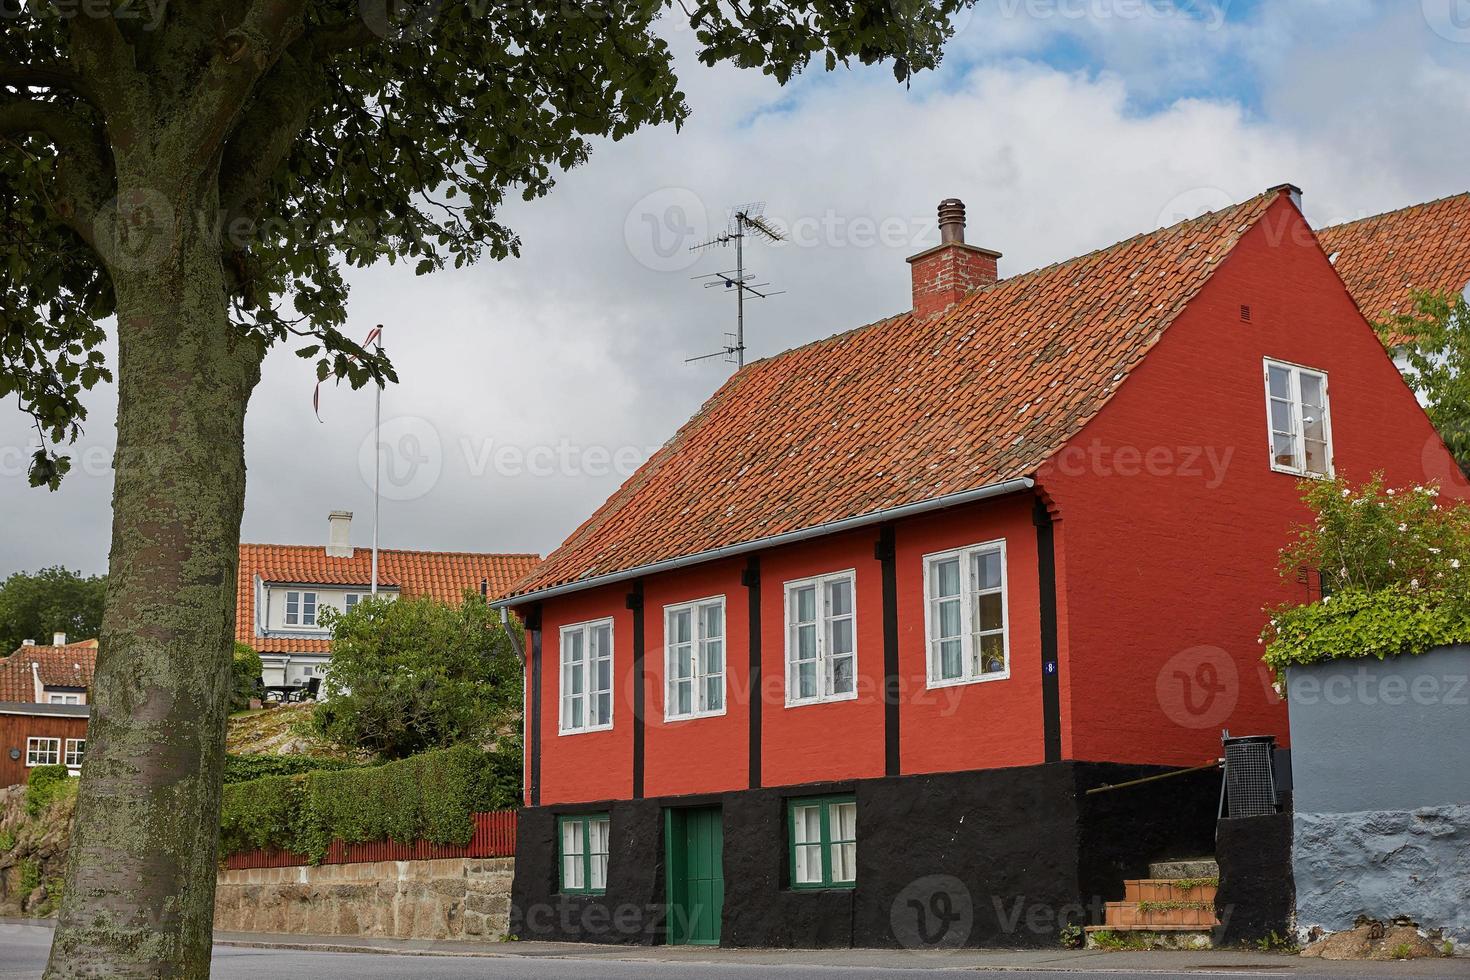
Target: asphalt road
x=23, y=951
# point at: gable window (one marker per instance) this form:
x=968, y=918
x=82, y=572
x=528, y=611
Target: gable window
x=586, y=677
x=965, y=614
x=43, y=751
x=694, y=659
x=821, y=652
x=53, y=698
x=583, y=848
x=1299, y=419
x=75, y=747
x=823, y=835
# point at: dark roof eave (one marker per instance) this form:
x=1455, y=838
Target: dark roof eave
x=1002, y=488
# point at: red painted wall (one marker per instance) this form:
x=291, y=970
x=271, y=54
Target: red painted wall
x=1172, y=518
x=15, y=729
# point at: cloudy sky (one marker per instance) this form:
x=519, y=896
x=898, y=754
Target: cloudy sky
x=529, y=387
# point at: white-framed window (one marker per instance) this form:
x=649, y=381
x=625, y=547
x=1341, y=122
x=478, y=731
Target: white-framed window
x=821, y=639
x=586, y=677
x=53, y=697
x=694, y=659
x=43, y=751
x=352, y=600
x=75, y=747
x=965, y=615
x=1299, y=419
x=300, y=608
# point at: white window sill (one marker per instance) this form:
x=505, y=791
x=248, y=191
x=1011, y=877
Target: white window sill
x=1301, y=474
x=695, y=716
x=827, y=699
x=934, y=684
x=585, y=731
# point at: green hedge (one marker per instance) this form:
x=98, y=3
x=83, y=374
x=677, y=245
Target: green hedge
x=1390, y=622
x=427, y=797
x=245, y=767
x=43, y=785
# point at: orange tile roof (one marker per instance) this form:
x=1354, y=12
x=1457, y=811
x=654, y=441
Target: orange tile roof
x=441, y=574
x=71, y=665
x=906, y=409
x=1383, y=259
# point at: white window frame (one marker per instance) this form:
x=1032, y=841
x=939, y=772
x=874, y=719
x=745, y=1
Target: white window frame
x=350, y=600
x=55, y=697
x=298, y=618
x=75, y=748
x=1298, y=433
x=589, y=694
x=824, y=660
x=967, y=632
x=33, y=749
x=698, y=675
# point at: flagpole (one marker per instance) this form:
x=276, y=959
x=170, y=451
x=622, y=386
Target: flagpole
x=377, y=462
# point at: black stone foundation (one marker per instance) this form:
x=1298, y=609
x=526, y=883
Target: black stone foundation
x=990, y=858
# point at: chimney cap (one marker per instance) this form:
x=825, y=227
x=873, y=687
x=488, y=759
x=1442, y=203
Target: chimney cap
x=58, y=639
x=345, y=515
x=27, y=643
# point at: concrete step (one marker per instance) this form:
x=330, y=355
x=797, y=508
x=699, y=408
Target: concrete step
x=1170, y=890
x=1204, y=867
x=1148, y=937
x=1134, y=915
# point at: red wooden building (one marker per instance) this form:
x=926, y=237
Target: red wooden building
x=885, y=609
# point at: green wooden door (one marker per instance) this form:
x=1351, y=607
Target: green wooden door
x=694, y=843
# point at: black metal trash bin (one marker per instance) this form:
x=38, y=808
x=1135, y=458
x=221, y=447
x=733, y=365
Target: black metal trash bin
x=1250, y=783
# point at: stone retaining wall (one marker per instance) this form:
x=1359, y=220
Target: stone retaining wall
x=453, y=898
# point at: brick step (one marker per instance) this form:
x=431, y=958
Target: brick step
x=1170, y=890
x=1136, y=915
x=1148, y=937
x=1204, y=867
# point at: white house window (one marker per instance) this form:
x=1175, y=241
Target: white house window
x=1299, y=419
x=52, y=698
x=694, y=658
x=965, y=614
x=43, y=751
x=75, y=747
x=821, y=648
x=352, y=598
x=586, y=677
x=300, y=608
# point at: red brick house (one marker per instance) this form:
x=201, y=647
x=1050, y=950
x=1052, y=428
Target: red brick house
x=892, y=602
x=43, y=706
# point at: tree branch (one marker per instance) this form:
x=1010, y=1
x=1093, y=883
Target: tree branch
x=82, y=175
x=100, y=51
x=53, y=77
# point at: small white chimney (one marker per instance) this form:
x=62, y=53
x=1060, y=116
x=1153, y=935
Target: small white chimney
x=27, y=643
x=58, y=639
x=339, y=537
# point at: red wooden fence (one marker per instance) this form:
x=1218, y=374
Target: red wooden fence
x=494, y=836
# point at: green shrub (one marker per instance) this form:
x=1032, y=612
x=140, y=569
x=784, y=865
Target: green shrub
x=426, y=797
x=30, y=876
x=45, y=784
x=247, y=766
x=245, y=673
x=1395, y=572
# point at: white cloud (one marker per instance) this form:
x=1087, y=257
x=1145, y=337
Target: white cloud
x=575, y=351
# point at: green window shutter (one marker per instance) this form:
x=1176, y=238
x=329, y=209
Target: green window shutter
x=822, y=842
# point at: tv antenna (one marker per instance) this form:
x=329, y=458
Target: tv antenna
x=746, y=221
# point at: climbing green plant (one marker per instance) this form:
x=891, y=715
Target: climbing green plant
x=1395, y=573
x=44, y=785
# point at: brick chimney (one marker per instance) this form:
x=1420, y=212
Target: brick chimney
x=945, y=273
x=339, y=537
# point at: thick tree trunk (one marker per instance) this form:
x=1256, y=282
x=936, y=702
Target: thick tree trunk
x=140, y=880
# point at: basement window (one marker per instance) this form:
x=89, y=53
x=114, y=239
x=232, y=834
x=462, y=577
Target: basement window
x=823, y=835
x=821, y=649
x=43, y=751
x=965, y=613
x=583, y=847
x=1298, y=419
x=586, y=677
x=694, y=659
